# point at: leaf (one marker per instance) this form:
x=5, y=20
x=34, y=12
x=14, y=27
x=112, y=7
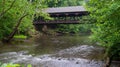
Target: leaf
x=29, y=65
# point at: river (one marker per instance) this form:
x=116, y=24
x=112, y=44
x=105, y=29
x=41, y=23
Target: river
x=54, y=51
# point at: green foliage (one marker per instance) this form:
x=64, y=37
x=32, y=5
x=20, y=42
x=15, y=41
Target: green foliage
x=80, y=28
x=13, y=65
x=29, y=65
x=9, y=65
x=12, y=10
x=62, y=3
x=20, y=36
x=107, y=31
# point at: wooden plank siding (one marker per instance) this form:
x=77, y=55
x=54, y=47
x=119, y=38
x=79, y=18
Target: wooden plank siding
x=58, y=12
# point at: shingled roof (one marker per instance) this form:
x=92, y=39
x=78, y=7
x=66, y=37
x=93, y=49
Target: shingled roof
x=66, y=9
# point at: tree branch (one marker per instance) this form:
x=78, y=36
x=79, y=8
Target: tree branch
x=16, y=28
x=1, y=14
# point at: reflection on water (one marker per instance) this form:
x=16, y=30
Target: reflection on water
x=49, y=51
x=45, y=44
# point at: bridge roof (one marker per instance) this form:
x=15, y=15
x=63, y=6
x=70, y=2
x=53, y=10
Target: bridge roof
x=70, y=9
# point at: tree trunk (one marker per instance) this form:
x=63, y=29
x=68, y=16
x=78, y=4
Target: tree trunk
x=107, y=62
x=110, y=58
x=15, y=29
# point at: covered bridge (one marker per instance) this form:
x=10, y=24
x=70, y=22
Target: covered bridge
x=63, y=15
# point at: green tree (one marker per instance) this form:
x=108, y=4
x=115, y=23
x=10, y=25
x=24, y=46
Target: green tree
x=13, y=12
x=63, y=3
x=107, y=31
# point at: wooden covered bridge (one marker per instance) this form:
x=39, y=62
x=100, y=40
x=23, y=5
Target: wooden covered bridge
x=63, y=15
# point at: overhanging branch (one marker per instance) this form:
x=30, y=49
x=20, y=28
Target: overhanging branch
x=1, y=14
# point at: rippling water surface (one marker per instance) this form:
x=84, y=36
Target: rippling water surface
x=54, y=51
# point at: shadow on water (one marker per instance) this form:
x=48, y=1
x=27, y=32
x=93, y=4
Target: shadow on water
x=54, y=51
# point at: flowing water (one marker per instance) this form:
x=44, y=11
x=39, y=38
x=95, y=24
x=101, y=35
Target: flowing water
x=54, y=51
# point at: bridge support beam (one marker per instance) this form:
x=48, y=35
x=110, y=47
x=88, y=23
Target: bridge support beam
x=44, y=29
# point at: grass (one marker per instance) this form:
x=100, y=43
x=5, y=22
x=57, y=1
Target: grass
x=20, y=36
